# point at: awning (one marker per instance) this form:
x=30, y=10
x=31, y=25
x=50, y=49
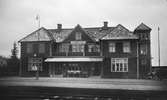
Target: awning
x=73, y=59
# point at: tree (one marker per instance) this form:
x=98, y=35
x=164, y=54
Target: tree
x=3, y=66
x=14, y=51
x=13, y=61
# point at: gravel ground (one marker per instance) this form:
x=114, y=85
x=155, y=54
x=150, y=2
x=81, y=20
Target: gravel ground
x=94, y=82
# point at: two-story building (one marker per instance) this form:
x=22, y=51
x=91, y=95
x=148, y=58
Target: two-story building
x=108, y=52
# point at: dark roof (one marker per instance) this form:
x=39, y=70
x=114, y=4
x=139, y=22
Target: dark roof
x=95, y=33
x=142, y=26
x=60, y=35
x=41, y=34
x=120, y=32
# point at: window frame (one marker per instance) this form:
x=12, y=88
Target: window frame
x=93, y=48
x=126, y=47
x=119, y=64
x=112, y=47
x=78, y=36
x=78, y=47
x=143, y=49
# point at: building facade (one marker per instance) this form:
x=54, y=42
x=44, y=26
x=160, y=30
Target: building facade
x=108, y=52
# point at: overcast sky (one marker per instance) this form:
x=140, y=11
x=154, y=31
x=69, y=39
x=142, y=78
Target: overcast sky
x=17, y=18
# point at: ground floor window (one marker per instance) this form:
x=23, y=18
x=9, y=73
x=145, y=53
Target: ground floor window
x=119, y=64
x=33, y=63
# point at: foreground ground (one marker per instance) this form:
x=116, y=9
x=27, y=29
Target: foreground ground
x=83, y=87
x=98, y=83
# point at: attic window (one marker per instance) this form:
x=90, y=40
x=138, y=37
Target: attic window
x=78, y=36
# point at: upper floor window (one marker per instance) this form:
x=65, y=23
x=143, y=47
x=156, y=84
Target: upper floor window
x=143, y=49
x=119, y=65
x=144, y=36
x=93, y=48
x=126, y=47
x=34, y=63
x=64, y=47
x=29, y=47
x=77, y=48
x=41, y=48
x=78, y=36
x=111, y=47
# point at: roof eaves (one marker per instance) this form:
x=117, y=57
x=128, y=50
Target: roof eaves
x=29, y=34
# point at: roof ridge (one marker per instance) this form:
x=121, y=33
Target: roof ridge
x=139, y=27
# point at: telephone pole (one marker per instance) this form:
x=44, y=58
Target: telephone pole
x=38, y=26
x=159, y=54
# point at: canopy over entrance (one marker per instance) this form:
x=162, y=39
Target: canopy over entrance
x=70, y=59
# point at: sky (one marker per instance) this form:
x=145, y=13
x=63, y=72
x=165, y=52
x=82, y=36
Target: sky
x=17, y=18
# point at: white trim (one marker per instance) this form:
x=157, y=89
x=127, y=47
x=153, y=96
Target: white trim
x=119, y=64
x=73, y=59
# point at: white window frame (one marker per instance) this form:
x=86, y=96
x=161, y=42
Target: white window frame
x=112, y=47
x=119, y=64
x=33, y=63
x=126, y=47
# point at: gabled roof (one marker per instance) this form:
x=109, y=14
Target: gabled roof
x=95, y=33
x=60, y=35
x=120, y=32
x=41, y=34
x=78, y=27
x=142, y=26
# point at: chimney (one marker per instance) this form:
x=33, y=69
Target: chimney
x=105, y=26
x=59, y=26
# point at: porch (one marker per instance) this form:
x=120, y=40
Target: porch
x=74, y=67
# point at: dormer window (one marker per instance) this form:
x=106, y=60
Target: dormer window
x=78, y=36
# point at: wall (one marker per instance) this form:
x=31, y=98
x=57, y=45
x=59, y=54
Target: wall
x=132, y=60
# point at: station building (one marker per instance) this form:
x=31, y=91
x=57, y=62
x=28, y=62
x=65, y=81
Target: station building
x=107, y=52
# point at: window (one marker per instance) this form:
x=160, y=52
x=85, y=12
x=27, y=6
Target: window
x=93, y=48
x=119, y=64
x=29, y=47
x=143, y=49
x=111, y=47
x=78, y=36
x=42, y=48
x=33, y=63
x=64, y=47
x=77, y=48
x=126, y=47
